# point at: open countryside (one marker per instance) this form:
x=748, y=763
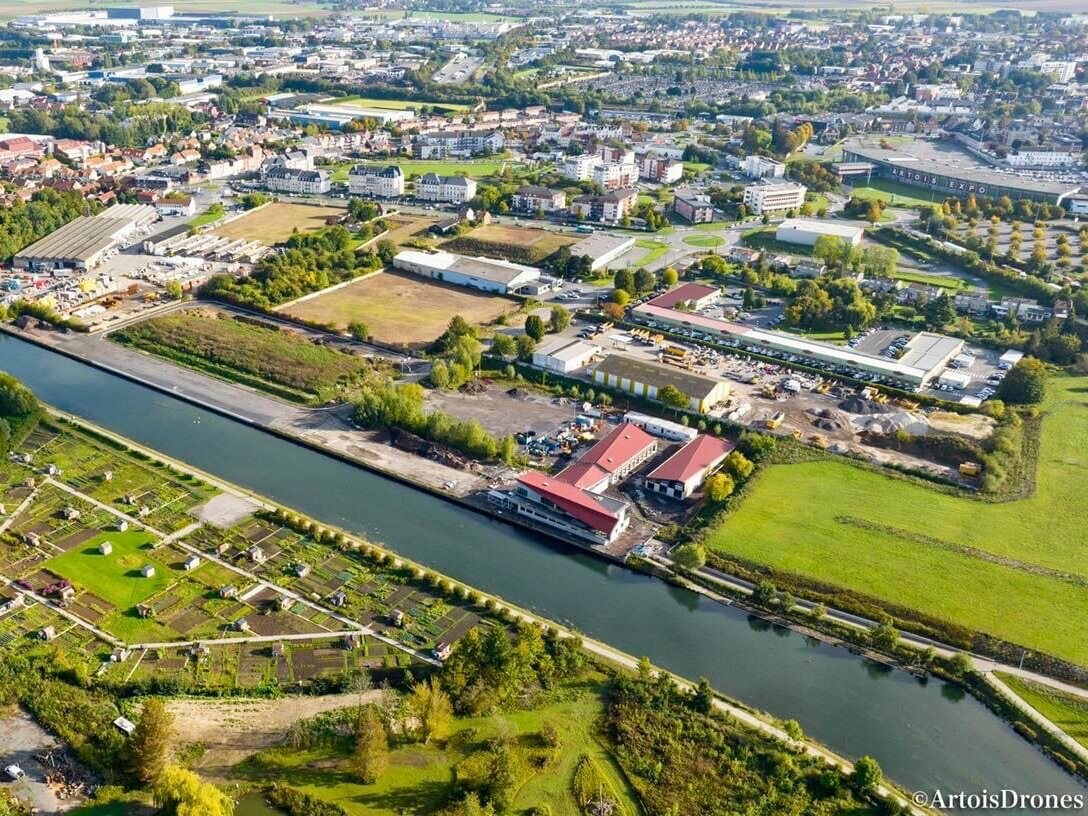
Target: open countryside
x=903, y=543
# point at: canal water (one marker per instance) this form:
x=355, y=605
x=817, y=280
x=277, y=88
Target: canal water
x=926, y=736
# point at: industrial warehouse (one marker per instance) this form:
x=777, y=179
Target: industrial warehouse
x=944, y=169
x=486, y=274
x=923, y=359
x=84, y=242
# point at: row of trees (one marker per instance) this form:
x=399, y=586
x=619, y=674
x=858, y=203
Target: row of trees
x=309, y=263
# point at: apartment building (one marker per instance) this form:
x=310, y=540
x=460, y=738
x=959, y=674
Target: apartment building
x=609, y=208
x=286, y=180
x=766, y=198
x=696, y=208
x=762, y=167
x=661, y=169
x=380, y=182
x=539, y=199
x=450, y=189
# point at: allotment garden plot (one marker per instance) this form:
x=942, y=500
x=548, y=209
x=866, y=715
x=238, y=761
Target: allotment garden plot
x=110, y=559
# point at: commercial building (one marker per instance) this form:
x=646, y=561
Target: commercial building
x=573, y=512
x=691, y=296
x=925, y=355
x=645, y=379
x=286, y=180
x=663, y=428
x=610, y=460
x=380, y=182
x=335, y=117
x=806, y=231
x=533, y=199
x=450, y=189
x=766, y=198
x=486, y=274
x=685, y=471
x=85, y=241
x=696, y=208
x=602, y=248
x=947, y=171
x=564, y=356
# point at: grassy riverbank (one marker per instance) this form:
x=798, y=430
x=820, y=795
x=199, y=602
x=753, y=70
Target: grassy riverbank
x=1014, y=569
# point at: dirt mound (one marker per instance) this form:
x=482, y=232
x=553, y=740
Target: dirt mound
x=862, y=407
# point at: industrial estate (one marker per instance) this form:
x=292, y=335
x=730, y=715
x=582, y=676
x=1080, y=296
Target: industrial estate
x=448, y=335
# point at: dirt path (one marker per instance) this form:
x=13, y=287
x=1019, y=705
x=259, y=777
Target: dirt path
x=231, y=730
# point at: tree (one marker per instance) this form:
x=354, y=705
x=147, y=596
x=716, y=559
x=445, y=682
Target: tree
x=832, y=250
x=1025, y=384
x=961, y=664
x=645, y=280
x=358, y=330
x=525, y=345
x=173, y=290
x=440, y=374
x=534, y=327
x=673, y=397
x=689, y=556
x=756, y=446
x=739, y=465
x=431, y=706
x=150, y=742
x=764, y=593
x=508, y=449
x=559, y=318
x=885, y=636
x=625, y=280
x=702, y=697
x=371, y=756
x=719, y=487
x=503, y=344
x=867, y=775
x=182, y=792
x=670, y=276
x=940, y=311
x=621, y=297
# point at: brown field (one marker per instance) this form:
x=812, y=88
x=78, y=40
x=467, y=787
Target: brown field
x=404, y=228
x=517, y=244
x=400, y=308
x=273, y=224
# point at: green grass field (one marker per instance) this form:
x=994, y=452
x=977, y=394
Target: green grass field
x=704, y=241
x=896, y=194
x=399, y=104
x=797, y=518
x=1067, y=712
x=943, y=281
x=654, y=250
x=115, y=577
x=418, y=779
x=473, y=169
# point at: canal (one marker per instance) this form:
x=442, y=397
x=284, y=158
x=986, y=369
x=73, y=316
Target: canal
x=926, y=736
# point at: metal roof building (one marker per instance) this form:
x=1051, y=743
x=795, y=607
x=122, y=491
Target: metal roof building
x=502, y=277
x=83, y=242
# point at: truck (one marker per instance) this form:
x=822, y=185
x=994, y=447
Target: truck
x=776, y=420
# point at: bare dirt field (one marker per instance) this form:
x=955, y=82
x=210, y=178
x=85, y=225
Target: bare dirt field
x=231, y=730
x=518, y=244
x=501, y=413
x=400, y=308
x=274, y=223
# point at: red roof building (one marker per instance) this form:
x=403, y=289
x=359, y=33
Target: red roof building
x=694, y=295
x=572, y=510
x=611, y=459
x=685, y=471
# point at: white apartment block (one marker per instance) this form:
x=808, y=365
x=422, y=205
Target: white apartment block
x=381, y=182
x=451, y=189
x=661, y=169
x=579, y=168
x=762, y=167
x=765, y=198
x=615, y=176
x=1041, y=158
x=309, y=182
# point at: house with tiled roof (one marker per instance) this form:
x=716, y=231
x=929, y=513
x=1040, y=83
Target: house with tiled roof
x=685, y=471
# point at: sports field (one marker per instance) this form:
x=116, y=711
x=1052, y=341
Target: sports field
x=1025, y=578
x=398, y=104
x=275, y=222
x=401, y=308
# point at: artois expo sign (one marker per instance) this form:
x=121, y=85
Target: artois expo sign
x=926, y=178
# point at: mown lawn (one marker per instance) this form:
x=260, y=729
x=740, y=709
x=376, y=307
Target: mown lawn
x=115, y=577
x=704, y=241
x=815, y=519
x=654, y=250
x=473, y=169
x=896, y=194
x=943, y=281
x=419, y=778
x=1067, y=712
